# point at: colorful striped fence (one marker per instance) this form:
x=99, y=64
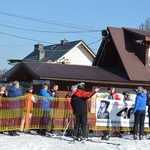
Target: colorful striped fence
x=15, y=116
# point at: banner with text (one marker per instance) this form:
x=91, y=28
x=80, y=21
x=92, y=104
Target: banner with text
x=115, y=113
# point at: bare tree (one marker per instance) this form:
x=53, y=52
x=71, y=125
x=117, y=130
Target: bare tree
x=2, y=72
x=145, y=25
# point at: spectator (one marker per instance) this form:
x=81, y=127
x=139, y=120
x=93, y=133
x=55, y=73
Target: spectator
x=139, y=112
x=126, y=95
x=55, y=91
x=148, y=104
x=115, y=130
x=79, y=105
x=69, y=107
x=3, y=91
x=1, y=95
x=14, y=91
x=54, y=104
x=3, y=103
x=45, y=106
x=113, y=93
x=69, y=95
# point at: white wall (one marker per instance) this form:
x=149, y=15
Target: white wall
x=79, y=56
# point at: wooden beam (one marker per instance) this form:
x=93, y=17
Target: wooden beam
x=99, y=82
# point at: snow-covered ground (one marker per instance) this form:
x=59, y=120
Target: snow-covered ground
x=37, y=142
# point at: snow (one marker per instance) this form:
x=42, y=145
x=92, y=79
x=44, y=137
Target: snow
x=37, y=142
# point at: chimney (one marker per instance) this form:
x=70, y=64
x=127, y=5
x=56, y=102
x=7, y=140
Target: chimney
x=63, y=42
x=40, y=51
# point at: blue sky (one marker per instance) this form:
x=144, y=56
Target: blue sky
x=24, y=23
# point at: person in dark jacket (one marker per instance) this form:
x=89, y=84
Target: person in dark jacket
x=3, y=104
x=55, y=91
x=79, y=106
x=69, y=96
x=139, y=112
x=14, y=91
x=148, y=104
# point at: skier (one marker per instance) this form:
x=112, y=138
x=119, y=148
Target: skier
x=78, y=103
x=113, y=95
x=139, y=113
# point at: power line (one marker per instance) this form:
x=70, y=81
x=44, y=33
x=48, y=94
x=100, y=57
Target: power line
x=47, y=31
x=24, y=38
x=3, y=58
x=47, y=58
x=31, y=44
x=15, y=45
x=95, y=42
x=47, y=21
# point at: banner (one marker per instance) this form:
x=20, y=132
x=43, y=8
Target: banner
x=115, y=113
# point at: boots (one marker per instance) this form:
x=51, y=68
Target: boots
x=75, y=138
x=135, y=137
x=105, y=137
x=82, y=138
x=141, y=137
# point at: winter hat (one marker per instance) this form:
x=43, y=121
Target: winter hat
x=30, y=88
x=111, y=88
x=126, y=93
x=81, y=85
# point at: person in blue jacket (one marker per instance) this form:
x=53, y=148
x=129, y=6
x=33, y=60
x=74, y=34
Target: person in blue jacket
x=139, y=112
x=45, y=106
x=14, y=91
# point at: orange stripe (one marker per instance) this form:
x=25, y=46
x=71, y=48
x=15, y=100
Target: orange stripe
x=28, y=112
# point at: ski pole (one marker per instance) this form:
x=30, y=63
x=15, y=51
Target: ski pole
x=70, y=119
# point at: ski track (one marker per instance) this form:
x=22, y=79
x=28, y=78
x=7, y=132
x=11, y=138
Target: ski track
x=37, y=142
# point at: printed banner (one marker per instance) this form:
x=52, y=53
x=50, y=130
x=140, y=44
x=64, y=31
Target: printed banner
x=115, y=113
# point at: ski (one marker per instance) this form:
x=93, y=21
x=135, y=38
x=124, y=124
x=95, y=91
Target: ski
x=148, y=138
x=72, y=142
x=49, y=134
x=77, y=142
x=103, y=141
x=83, y=142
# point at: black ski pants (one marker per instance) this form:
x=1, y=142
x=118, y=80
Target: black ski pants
x=139, y=118
x=81, y=121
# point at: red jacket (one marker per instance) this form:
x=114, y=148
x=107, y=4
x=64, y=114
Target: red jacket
x=78, y=101
x=69, y=107
x=114, y=95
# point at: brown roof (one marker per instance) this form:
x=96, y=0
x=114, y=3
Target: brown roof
x=134, y=67
x=138, y=31
x=51, y=71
